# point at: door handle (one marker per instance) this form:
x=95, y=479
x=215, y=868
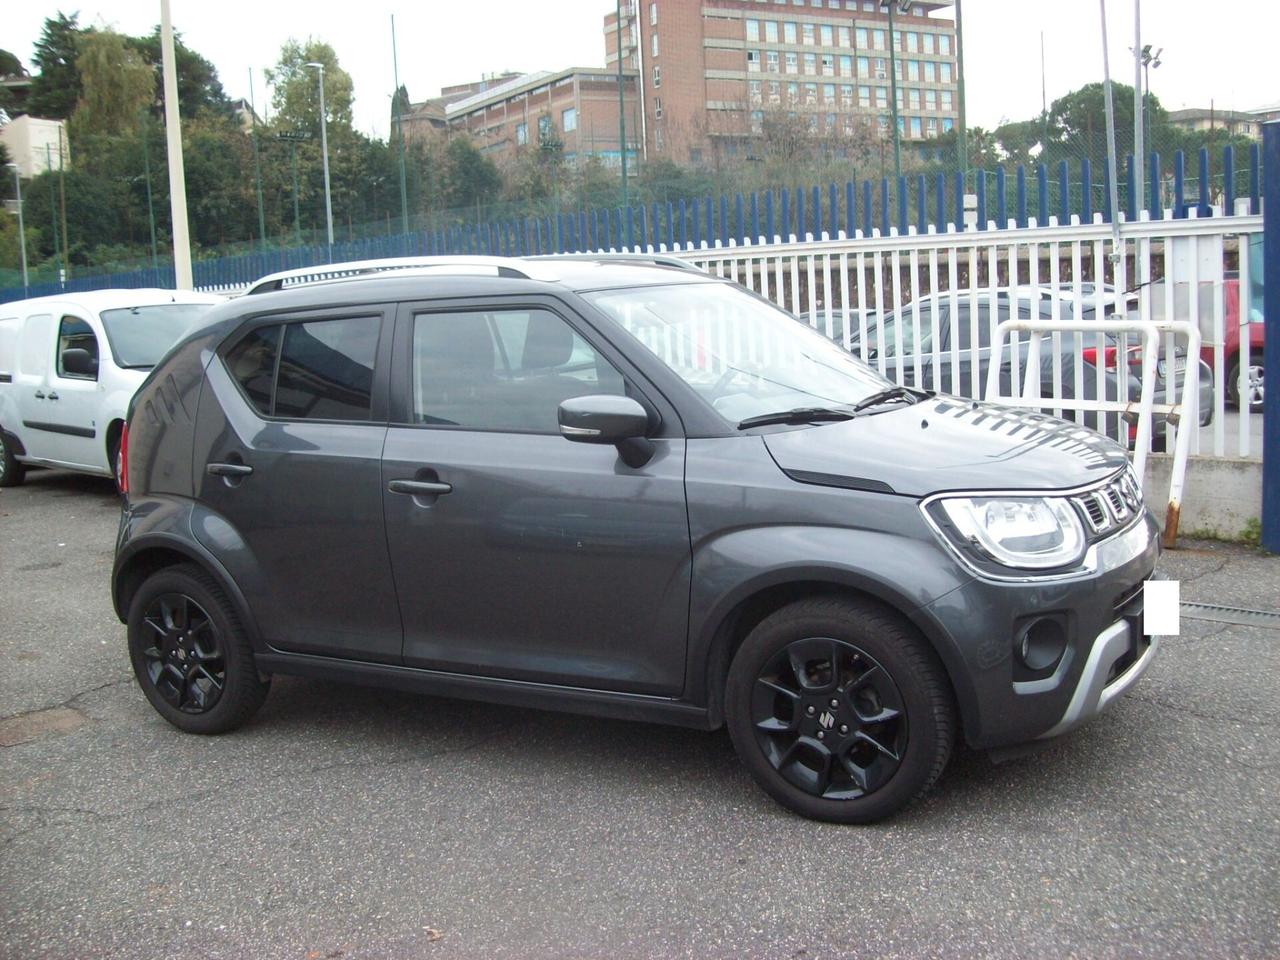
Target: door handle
x=420, y=488
x=53, y=395
x=39, y=394
x=228, y=469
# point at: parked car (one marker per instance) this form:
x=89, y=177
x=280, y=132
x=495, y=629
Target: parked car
x=69, y=365
x=1233, y=327
x=846, y=325
x=1117, y=354
x=631, y=491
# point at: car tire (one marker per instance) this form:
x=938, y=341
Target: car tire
x=12, y=471
x=113, y=461
x=190, y=653
x=1233, y=382
x=848, y=745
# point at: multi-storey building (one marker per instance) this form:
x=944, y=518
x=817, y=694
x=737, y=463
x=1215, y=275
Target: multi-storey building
x=576, y=108
x=712, y=70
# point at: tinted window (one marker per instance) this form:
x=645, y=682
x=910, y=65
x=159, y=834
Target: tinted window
x=74, y=333
x=326, y=369
x=505, y=370
x=252, y=362
x=911, y=345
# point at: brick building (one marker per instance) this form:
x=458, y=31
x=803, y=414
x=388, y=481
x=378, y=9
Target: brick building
x=711, y=70
x=577, y=107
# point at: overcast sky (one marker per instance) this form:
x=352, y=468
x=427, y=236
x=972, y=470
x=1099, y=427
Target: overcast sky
x=1221, y=51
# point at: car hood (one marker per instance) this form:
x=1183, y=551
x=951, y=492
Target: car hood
x=946, y=443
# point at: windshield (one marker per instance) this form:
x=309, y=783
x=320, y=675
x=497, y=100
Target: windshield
x=743, y=355
x=140, y=336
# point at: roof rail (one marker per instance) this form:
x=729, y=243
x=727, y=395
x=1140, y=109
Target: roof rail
x=639, y=259
x=324, y=272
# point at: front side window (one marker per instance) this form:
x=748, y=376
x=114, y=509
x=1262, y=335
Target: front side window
x=743, y=356
x=505, y=371
x=312, y=370
x=76, y=334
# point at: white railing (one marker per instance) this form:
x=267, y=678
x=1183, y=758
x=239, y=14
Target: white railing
x=843, y=285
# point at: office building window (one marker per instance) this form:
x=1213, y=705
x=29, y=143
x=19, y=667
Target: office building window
x=771, y=61
x=843, y=34
x=829, y=93
x=931, y=99
x=775, y=91
x=913, y=70
x=653, y=14
x=657, y=108
x=788, y=33
x=913, y=98
x=944, y=44
x=915, y=128
x=946, y=101
x=828, y=65
x=522, y=133
x=569, y=120
x=877, y=40
x=753, y=61
x=846, y=95
x=792, y=62
x=810, y=93
x=913, y=41
x=826, y=36
x=930, y=71
x=811, y=63
x=931, y=127
x=944, y=72
x=771, y=31
x=757, y=121
x=864, y=67
x=846, y=66
x=860, y=38
x=882, y=98
x=753, y=29
x=947, y=124
x=753, y=89
x=927, y=42
x=864, y=97
x=793, y=93
x=806, y=33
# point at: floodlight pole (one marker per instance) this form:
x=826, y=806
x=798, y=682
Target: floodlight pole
x=22, y=233
x=395, y=70
x=177, y=172
x=324, y=150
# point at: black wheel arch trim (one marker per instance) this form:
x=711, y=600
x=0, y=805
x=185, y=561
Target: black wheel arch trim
x=169, y=543
x=712, y=654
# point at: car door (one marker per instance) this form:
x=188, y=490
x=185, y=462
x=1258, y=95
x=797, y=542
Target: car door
x=73, y=399
x=288, y=446
x=30, y=384
x=527, y=556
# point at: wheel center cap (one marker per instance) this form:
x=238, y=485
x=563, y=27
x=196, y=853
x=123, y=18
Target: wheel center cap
x=827, y=719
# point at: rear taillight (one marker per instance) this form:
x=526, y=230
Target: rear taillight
x=121, y=466
x=1134, y=354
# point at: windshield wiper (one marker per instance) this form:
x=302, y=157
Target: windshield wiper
x=797, y=415
x=884, y=396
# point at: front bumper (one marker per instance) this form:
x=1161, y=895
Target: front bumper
x=1105, y=655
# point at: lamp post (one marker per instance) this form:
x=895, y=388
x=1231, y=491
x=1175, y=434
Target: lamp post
x=324, y=150
x=622, y=117
x=22, y=233
x=292, y=138
x=1150, y=59
x=893, y=94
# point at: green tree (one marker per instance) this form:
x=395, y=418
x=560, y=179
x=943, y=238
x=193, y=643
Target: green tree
x=118, y=83
x=296, y=99
x=470, y=178
x=199, y=88
x=56, y=89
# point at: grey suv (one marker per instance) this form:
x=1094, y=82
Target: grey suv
x=625, y=490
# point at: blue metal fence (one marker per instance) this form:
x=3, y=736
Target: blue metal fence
x=780, y=215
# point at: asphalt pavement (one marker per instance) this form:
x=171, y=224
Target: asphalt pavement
x=355, y=823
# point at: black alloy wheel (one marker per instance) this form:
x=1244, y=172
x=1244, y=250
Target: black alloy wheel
x=829, y=718
x=190, y=653
x=185, y=661
x=840, y=709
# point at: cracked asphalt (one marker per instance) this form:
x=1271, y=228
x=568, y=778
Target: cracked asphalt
x=354, y=823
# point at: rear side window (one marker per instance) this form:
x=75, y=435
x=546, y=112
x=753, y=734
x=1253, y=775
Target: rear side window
x=317, y=370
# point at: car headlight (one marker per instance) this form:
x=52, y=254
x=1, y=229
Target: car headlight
x=1036, y=533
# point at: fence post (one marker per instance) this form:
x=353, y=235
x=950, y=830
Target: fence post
x=902, y=205
x=1229, y=180
x=867, y=213
x=921, y=203
x=723, y=235
x=671, y=227
x=1131, y=185
x=1107, y=213
x=739, y=228
x=980, y=188
x=1086, y=191
x=800, y=222
x=1022, y=195
x=1002, y=213
x=1064, y=193
x=755, y=217
x=1255, y=161
x=708, y=236
x=1155, y=209
x=1179, y=177
x=817, y=214
x=1271, y=358
x=850, y=215
x=1202, y=207
x=884, y=206
x=786, y=215
x=768, y=216
x=1042, y=189
x=959, y=187
x=833, y=210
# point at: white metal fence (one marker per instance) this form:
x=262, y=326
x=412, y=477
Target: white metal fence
x=1177, y=269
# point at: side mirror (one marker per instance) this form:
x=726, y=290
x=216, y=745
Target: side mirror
x=78, y=361
x=620, y=421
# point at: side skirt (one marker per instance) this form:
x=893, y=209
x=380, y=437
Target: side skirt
x=515, y=693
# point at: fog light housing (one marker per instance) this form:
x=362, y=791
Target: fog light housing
x=1040, y=644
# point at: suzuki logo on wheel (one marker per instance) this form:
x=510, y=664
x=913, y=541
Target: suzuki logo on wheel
x=827, y=719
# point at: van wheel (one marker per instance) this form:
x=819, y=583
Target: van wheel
x=840, y=710
x=12, y=473
x=190, y=654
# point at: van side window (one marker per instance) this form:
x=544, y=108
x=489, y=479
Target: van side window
x=75, y=334
x=317, y=370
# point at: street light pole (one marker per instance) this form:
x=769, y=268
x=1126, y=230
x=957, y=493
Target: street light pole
x=893, y=83
x=1139, y=110
x=622, y=113
x=395, y=70
x=257, y=165
x=177, y=171
x=22, y=233
x=964, y=135
x=324, y=149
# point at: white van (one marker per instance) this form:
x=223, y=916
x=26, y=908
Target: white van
x=69, y=366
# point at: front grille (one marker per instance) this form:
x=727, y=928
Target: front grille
x=1111, y=506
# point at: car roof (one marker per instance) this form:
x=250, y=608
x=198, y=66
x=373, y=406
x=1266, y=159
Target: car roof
x=97, y=300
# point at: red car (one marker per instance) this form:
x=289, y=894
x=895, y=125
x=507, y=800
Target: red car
x=1231, y=340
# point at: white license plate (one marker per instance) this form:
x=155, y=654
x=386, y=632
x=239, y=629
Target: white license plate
x=1179, y=368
